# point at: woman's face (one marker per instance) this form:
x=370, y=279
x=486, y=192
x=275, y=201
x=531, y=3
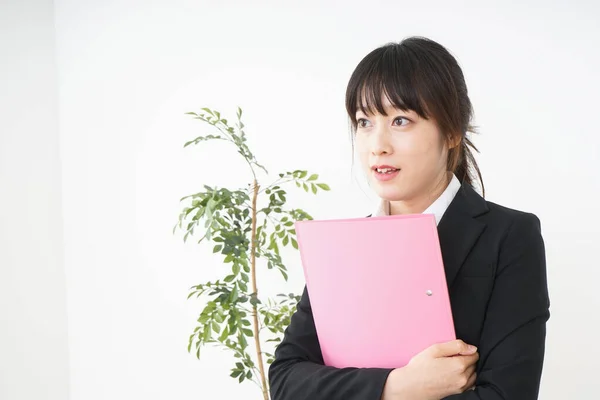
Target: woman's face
x=411, y=146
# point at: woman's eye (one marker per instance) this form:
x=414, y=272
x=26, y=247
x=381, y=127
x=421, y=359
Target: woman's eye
x=401, y=121
x=362, y=123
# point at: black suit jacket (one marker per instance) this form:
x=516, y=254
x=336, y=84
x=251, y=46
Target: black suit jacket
x=495, y=266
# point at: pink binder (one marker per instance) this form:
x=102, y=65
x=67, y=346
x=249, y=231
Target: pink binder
x=377, y=288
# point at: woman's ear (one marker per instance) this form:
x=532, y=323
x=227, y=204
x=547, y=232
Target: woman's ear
x=454, y=141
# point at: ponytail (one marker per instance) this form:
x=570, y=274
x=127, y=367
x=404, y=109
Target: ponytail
x=462, y=162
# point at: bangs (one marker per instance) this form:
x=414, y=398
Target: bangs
x=391, y=72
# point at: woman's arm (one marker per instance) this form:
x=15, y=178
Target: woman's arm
x=513, y=338
x=298, y=372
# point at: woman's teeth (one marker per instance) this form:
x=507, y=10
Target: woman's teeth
x=385, y=170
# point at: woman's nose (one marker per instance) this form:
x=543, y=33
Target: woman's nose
x=380, y=143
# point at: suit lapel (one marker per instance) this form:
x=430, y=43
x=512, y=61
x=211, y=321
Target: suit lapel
x=458, y=229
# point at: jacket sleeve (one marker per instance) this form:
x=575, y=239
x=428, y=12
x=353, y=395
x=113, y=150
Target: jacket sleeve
x=513, y=338
x=298, y=371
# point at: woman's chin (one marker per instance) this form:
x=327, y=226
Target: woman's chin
x=390, y=193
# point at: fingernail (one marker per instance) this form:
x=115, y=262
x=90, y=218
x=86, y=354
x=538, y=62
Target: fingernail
x=472, y=348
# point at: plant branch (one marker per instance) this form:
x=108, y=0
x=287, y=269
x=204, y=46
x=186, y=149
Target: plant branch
x=280, y=181
x=226, y=132
x=259, y=360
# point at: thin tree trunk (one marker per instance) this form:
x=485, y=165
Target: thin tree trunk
x=259, y=355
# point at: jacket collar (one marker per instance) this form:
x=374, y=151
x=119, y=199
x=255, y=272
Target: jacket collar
x=459, y=229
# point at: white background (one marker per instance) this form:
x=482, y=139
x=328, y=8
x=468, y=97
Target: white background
x=93, y=283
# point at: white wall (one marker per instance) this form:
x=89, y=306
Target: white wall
x=33, y=313
x=129, y=70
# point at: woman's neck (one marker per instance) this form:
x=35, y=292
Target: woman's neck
x=421, y=202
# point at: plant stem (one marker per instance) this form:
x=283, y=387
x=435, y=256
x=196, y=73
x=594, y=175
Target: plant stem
x=259, y=356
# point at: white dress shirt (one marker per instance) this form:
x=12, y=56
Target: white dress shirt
x=437, y=208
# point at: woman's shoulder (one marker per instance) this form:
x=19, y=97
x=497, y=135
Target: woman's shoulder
x=500, y=212
x=512, y=221
x=500, y=221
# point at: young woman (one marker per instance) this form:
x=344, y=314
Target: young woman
x=410, y=115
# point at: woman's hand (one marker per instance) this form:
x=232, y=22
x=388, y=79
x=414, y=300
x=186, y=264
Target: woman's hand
x=437, y=372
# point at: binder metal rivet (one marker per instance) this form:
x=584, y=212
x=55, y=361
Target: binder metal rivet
x=429, y=293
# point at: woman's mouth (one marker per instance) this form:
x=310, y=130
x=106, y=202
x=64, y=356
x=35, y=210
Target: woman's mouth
x=385, y=173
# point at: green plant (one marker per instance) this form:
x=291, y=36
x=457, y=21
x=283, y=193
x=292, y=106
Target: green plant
x=244, y=234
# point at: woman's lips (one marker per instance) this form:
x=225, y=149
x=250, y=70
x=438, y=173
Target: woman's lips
x=385, y=176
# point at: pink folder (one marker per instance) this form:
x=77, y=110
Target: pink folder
x=377, y=288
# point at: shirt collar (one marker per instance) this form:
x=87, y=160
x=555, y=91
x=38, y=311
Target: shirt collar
x=437, y=208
